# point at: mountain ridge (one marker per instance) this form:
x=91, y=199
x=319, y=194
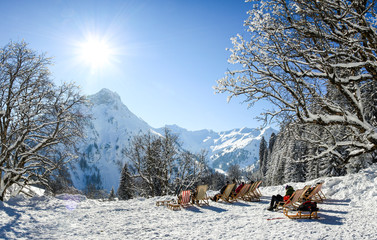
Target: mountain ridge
x=113, y=125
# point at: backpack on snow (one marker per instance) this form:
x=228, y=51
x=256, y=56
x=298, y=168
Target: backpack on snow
x=308, y=206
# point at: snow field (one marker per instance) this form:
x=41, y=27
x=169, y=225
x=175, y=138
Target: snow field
x=349, y=213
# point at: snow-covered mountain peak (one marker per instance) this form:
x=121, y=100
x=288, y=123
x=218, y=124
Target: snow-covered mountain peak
x=105, y=96
x=113, y=126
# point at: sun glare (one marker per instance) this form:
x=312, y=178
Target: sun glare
x=95, y=52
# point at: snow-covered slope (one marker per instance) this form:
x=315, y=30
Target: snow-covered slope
x=349, y=213
x=113, y=125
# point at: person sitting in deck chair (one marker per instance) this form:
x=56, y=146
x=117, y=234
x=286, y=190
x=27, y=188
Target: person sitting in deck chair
x=217, y=196
x=278, y=198
x=311, y=189
x=238, y=189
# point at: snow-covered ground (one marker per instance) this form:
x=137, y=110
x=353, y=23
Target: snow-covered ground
x=349, y=213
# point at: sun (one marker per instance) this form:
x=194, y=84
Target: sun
x=95, y=52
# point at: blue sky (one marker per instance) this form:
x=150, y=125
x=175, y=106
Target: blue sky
x=163, y=56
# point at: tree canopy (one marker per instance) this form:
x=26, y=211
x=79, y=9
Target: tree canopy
x=39, y=121
x=315, y=62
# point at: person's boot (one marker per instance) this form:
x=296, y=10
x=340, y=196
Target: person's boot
x=270, y=208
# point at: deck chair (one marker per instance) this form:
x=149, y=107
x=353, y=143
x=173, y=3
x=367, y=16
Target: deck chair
x=253, y=195
x=201, y=197
x=183, y=201
x=291, y=207
x=226, y=194
x=242, y=192
x=257, y=191
x=293, y=202
x=316, y=195
x=249, y=195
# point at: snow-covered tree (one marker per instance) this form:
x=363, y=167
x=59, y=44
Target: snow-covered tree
x=39, y=122
x=294, y=171
x=189, y=170
x=161, y=167
x=234, y=172
x=296, y=52
x=143, y=156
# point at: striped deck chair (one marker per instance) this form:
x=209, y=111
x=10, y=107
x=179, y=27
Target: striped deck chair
x=242, y=192
x=253, y=195
x=183, y=201
x=257, y=192
x=185, y=198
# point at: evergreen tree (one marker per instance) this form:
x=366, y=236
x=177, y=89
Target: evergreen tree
x=278, y=177
x=294, y=171
x=125, y=190
x=112, y=194
x=263, y=157
x=271, y=143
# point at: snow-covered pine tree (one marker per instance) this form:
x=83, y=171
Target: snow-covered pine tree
x=126, y=184
x=294, y=171
x=281, y=150
x=278, y=176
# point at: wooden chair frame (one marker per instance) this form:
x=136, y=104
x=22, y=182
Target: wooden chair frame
x=253, y=195
x=183, y=201
x=226, y=194
x=242, y=192
x=316, y=195
x=201, y=197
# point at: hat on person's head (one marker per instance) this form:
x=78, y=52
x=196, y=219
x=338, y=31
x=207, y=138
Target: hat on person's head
x=286, y=187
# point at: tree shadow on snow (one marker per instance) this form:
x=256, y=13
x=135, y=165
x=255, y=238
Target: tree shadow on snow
x=11, y=226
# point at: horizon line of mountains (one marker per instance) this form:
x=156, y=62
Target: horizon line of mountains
x=113, y=125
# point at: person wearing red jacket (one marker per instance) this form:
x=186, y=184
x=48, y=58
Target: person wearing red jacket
x=238, y=189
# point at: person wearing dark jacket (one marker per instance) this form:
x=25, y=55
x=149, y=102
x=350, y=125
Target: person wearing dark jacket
x=278, y=198
x=217, y=196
